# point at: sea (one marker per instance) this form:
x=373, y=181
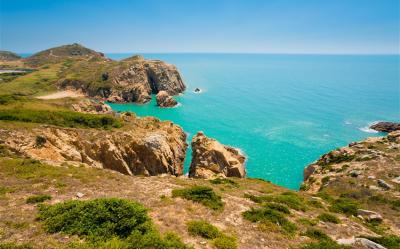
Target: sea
x=282, y=111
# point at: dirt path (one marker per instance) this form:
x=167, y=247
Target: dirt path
x=62, y=94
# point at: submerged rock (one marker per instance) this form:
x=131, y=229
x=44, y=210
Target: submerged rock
x=386, y=126
x=211, y=159
x=164, y=100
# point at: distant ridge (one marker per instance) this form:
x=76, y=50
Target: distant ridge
x=57, y=54
x=8, y=56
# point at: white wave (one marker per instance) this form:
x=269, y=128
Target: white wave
x=347, y=122
x=367, y=129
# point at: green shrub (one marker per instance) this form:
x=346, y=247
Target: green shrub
x=268, y=215
x=60, y=118
x=316, y=234
x=14, y=246
x=278, y=207
x=226, y=181
x=203, y=229
x=153, y=240
x=325, y=244
x=225, y=242
x=327, y=217
x=40, y=141
x=37, y=199
x=201, y=194
x=390, y=242
x=344, y=205
x=98, y=218
x=290, y=199
x=10, y=98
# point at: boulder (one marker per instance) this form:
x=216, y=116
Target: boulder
x=369, y=215
x=386, y=126
x=164, y=100
x=383, y=184
x=212, y=159
x=93, y=107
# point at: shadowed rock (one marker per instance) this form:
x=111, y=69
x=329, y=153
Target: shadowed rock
x=386, y=126
x=164, y=100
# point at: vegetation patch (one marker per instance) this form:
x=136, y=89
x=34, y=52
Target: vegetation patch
x=37, y=199
x=325, y=244
x=99, y=218
x=14, y=246
x=290, y=199
x=225, y=242
x=344, y=205
x=60, y=118
x=327, y=217
x=316, y=234
x=203, y=229
x=267, y=215
x=225, y=181
x=201, y=194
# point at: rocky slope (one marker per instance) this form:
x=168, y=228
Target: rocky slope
x=144, y=147
x=8, y=56
x=211, y=159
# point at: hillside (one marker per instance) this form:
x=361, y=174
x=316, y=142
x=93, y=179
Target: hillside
x=8, y=56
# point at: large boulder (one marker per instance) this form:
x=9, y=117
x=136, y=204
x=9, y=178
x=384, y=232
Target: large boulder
x=164, y=100
x=386, y=126
x=211, y=159
x=92, y=107
x=144, y=146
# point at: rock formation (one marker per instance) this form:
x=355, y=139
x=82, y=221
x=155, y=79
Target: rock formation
x=164, y=100
x=211, y=159
x=91, y=106
x=8, y=56
x=386, y=126
x=143, y=147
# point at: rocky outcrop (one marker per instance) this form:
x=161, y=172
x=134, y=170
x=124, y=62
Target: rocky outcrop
x=386, y=126
x=143, y=147
x=164, y=100
x=211, y=159
x=92, y=107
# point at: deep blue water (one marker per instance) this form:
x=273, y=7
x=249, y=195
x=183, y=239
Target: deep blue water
x=283, y=111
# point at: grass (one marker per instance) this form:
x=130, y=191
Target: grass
x=34, y=83
x=327, y=217
x=37, y=199
x=200, y=194
x=324, y=245
x=60, y=118
x=203, y=229
x=99, y=219
x=225, y=181
x=344, y=205
x=208, y=231
x=316, y=234
x=14, y=246
x=272, y=216
x=290, y=199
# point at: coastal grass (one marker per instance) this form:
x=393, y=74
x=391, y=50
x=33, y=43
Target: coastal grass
x=37, y=199
x=327, y=217
x=225, y=181
x=203, y=229
x=323, y=240
x=60, y=118
x=34, y=83
x=290, y=199
x=388, y=241
x=201, y=194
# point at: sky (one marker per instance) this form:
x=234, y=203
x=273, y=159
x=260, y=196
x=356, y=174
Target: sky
x=225, y=26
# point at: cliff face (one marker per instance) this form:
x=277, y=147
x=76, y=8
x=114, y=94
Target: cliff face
x=144, y=147
x=211, y=159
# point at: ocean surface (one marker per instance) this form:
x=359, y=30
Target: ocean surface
x=282, y=111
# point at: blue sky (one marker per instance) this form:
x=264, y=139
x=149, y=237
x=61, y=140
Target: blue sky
x=255, y=26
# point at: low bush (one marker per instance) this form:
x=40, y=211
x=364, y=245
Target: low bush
x=37, y=199
x=60, y=118
x=99, y=219
x=14, y=246
x=344, y=205
x=325, y=244
x=226, y=181
x=201, y=194
x=203, y=229
x=290, y=199
x=327, y=217
x=316, y=234
x=225, y=242
x=268, y=215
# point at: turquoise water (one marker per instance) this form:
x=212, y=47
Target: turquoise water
x=283, y=111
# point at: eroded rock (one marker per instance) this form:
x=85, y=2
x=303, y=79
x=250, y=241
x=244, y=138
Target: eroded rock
x=386, y=126
x=164, y=100
x=212, y=159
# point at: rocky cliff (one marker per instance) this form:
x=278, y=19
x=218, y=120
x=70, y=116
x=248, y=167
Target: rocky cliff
x=143, y=147
x=211, y=159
